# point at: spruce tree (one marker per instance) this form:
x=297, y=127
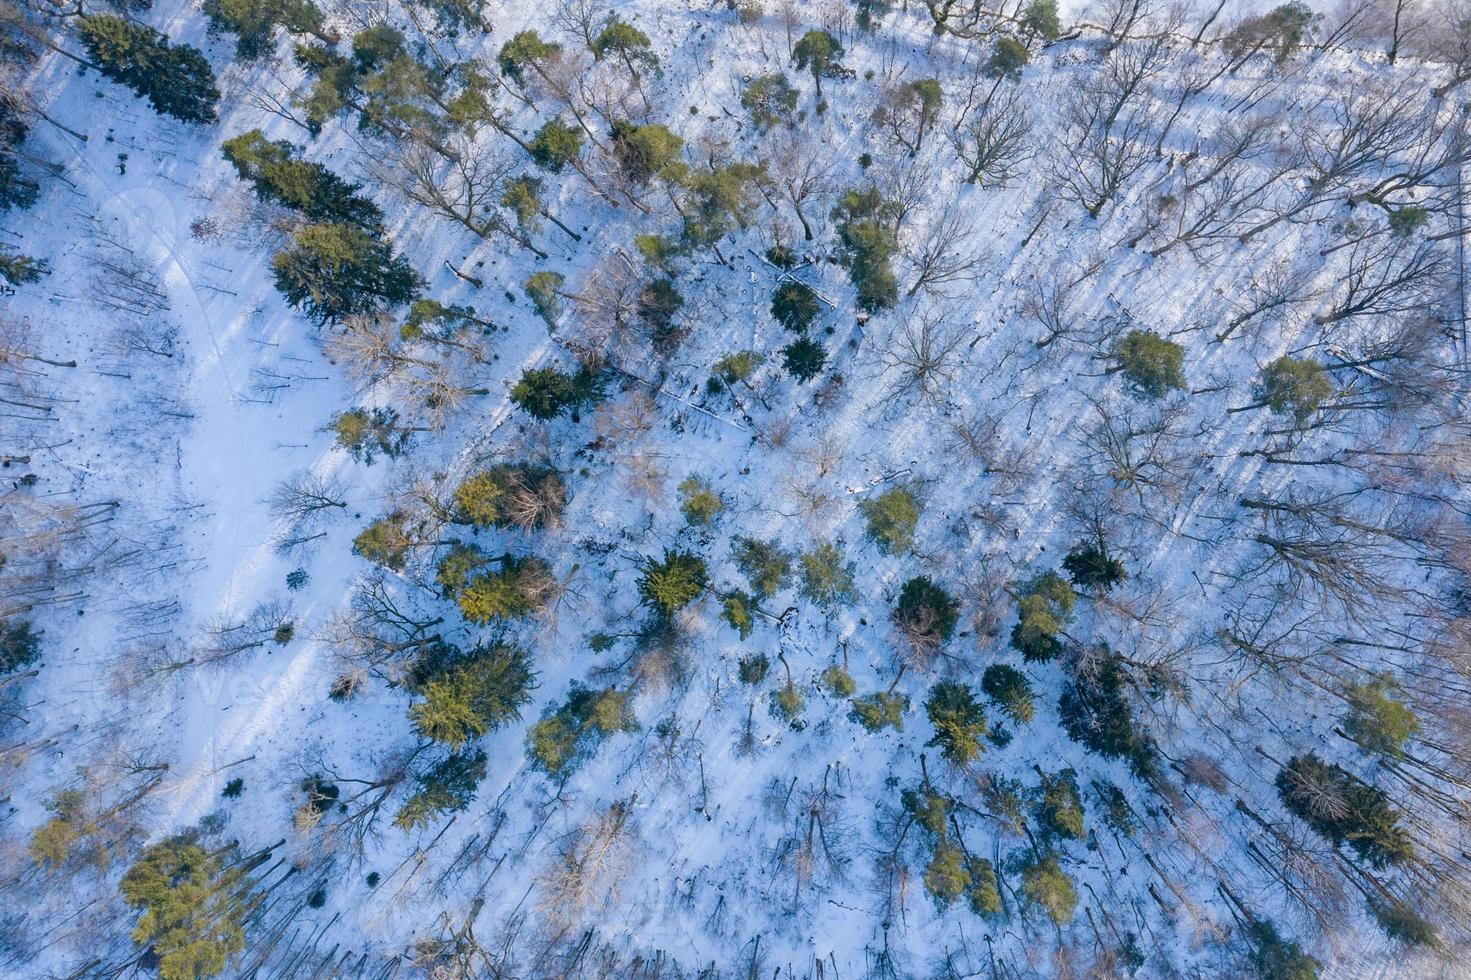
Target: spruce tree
x=520, y=588
x=556, y=145
x=826, y=579
x=1044, y=606
x=1344, y=809
x=765, y=564
x=892, y=517
x=446, y=787
x=1045, y=885
x=546, y=393
x=331, y=271
x=19, y=269
x=20, y=645
x=175, y=79
x=926, y=613
x=567, y=735
x=463, y=697
x=275, y=171
x=670, y=584
x=958, y=720
x=254, y=22
x=803, y=358
x=1007, y=688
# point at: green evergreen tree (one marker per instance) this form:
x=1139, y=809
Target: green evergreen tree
x=1059, y=807
x=804, y=359
x=385, y=542
x=194, y=905
x=837, y=681
x=1294, y=386
x=672, y=583
x=1095, y=713
x=648, y=151
x=984, y=892
x=867, y=241
x=1090, y=567
x=1007, y=688
x=331, y=271
x=826, y=579
x=525, y=50
x=19, y=269
x=254, y=22
x=880, y=710
x=175, y=79
x=947, y=876
x=1008, y=58
x=765, y=564
x=555, y=145
x=1153, y=365
x=520, y=588
x=795, y=306
x=569, y=734
x=510, y=495
x=820, y=53
x=20, y=645
x=770, y=100
x=546, y=393
x=363, y=432
x=461, y=698
x=958, y=720
x=1045, y=885
x=1040, y=17
x=738, y=610
x=1044, y=606
x=621, y=40
x=1275, y=958
x=277, y=174
x=1403, y=924
x=698, y=501
x=1377, y=719
x=1344, y=809
x=926, y=613
x=544, y=289
x=446, y=787
x=892, y=517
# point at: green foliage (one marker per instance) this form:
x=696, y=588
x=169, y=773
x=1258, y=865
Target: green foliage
x=1046, y=886
x=463, y=697
x=1008, y=58
x=770, y=100
x=826, y=579
x=1153, y=365
x=1113, y=806
x=892, y=517
x=544, y=289
x=519, y=589
x=959, y=722
x=738, y=610
x=525, y=50
x=385, y=542
x=648, y=151
x=17, y=189
x=926, y=613
x=555, y=145
x=698, y=501
x=1040, y=17
x=804, y=359
x=838, y=682
x=658, y=303
x=795, y=306
x=546, y=393
x=175, y=79
x=788, y=703
x=817, y=52
x=765, y=564
x=1059, y=807
x=1007, y=688
x=880, y=710
x=1294, y=386
x=673, y=583
x=254, y=22
x=1378, y=720
x=20, y=645
x=716, y=200
x=753, y=668
x=867, y=242
x=1044, y=606
x=510, y=495
x=624, y=41
x=1275, y=958
x=984, y=892
x=947, y=876
x=1282, y=30
x=1095, y=713
x=19, y=269
x=233, y=789
x=929, y=808
x=1406, y=221
x=1403, y=924
x=1090, y=567
x=363, y=432
x=660, y=251
x=446, y=787
x=331, y=271
x=194, y=906
x=568, y=735
x=735, y=367
x=522, y=197
x=1344, y=809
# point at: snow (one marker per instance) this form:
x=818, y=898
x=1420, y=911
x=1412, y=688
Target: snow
x=702, y=883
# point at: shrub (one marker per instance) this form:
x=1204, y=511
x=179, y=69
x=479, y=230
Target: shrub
x=1153, y=365
x=959, y=722
x=880, y=710
x=699, y=502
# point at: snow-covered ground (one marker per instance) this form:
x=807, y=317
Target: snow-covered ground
x=194, y=438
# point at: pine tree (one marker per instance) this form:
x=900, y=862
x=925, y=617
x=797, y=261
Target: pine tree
x=818, y=52
x=867, y=243
x=277, y=174
x=1294, y=386
x=625, y=42
x=446, y=787
x=331, y=271
x=525, y=50
x=947, y=876
x=362, y=432
x=176, y=79
x=20, y=645
x=926, y=613
x=1378, y=720
x=1040, y=17
x=555, y=145
x=765, y=564
x=672, y=583
x=648, y=151
x=892, y=517
x=254, y=22
x=698, y=501
x=194, y=904
x=826, y=579
x=1008, y=58
x=958, y=720
x=1096, y=714
x=879, y=710
x=1153, y=365
x=544, y=291
x=795, y=306
x=464, y=697
x=1090, y=567
x=1275, y=958
x=770, y=100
